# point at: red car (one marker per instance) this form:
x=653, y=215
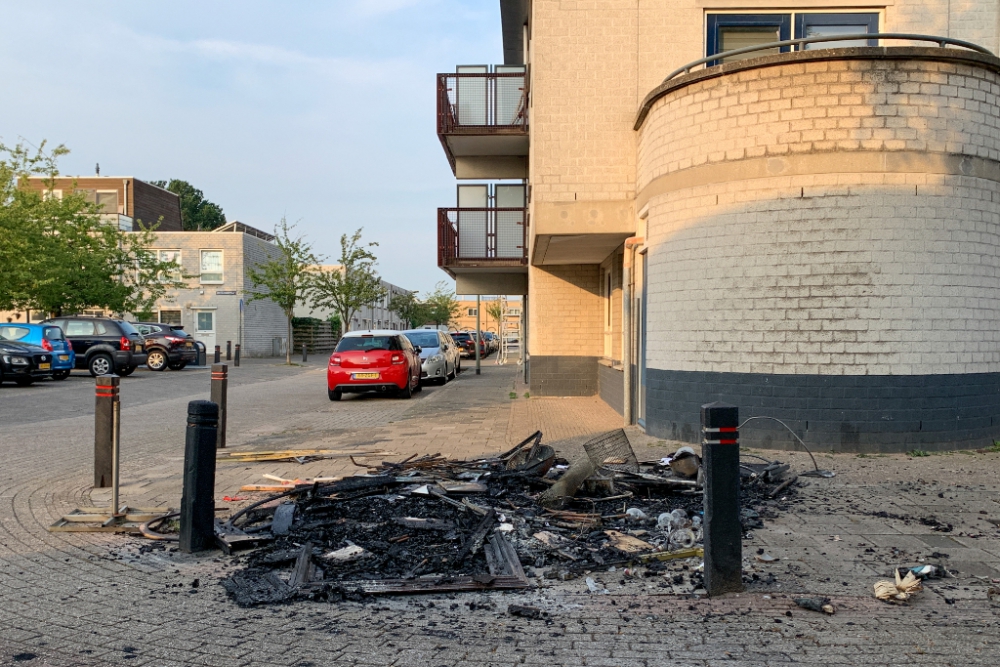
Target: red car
x=373, y=361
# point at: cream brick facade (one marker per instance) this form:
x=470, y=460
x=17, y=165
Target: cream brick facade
x=808, y=216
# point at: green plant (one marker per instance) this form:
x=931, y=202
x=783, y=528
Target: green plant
x=527, y=394
x=513, y=394
x=994, y=448
x=918, y=452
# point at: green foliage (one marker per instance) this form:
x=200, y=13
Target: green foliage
x=57, y=254
x=527, y=394
x=495, y=310
x=303, y=321
x=197, y=213
x=441, y=305
x=513, y=394
x=286, y=279
x=409, y=308
x=352, y=285
x=994, y=448
x=918, y=453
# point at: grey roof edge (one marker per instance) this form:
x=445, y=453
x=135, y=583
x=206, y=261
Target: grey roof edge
x=513, y=16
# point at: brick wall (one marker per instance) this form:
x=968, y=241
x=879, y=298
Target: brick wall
x=839, y=272
x=263, y=320
x=846, y=105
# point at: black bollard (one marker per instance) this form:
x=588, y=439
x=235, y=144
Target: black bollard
x=197, y=531
x=236, y=358
x=722, y=530
x=104, y=429
x=218, y=354
x=202, y=355
x=304, y=357
x=229, y=350
x=220, y=391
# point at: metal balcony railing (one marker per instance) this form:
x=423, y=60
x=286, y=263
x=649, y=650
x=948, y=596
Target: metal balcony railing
x=496, y=236
x=483, y=103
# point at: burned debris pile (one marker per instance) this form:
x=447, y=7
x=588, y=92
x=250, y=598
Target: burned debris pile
x=430, y=524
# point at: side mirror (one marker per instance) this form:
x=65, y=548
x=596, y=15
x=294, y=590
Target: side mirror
x=418, y=349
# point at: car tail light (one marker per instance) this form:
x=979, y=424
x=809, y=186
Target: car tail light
x=335, y=360
x=174, y=339
x=397, y=358
x=126, y=343
x=46, y=345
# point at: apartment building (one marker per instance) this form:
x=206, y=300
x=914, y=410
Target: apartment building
x=466, y=318
x=372, y=316
x=792, y=206
x=125, y=200
x=214, y=305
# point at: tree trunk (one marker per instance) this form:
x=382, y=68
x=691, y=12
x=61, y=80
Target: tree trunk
x=288, y=347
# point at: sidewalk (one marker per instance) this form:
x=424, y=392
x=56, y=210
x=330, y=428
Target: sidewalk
x=94, y=599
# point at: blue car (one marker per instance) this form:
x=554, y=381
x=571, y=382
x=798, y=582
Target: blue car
x=47, y=337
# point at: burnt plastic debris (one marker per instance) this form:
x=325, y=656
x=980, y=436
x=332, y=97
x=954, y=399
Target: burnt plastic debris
x=430, y=525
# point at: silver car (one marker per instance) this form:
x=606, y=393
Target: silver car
x=440, y=358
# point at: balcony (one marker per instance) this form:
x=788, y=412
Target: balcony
x=483, y=121
x=484, y=249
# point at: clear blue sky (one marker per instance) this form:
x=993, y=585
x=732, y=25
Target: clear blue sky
x=320, y=111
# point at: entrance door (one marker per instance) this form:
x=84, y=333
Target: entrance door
x=204, y=329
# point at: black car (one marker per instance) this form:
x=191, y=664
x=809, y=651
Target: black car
x=167, y=346
x=103, y=345
x=24, y=363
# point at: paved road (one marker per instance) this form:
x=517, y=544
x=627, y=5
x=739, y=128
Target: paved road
x=98, y=599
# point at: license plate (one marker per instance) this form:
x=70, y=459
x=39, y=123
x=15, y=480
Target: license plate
x=44, y=367
x=365, y=376
x=188, y=344
x=63, y=357
x=138, y=348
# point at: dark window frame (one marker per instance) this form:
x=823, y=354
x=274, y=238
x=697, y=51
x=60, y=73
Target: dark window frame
x=805, y=19
x=715, y=21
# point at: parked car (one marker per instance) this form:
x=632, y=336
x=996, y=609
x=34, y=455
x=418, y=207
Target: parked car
x=167, y=346
x=465, y=341
x=48, y=337
x=373, y=360
x=440, y=358
x=24, y=363
x=103, y=345
x=492, y=342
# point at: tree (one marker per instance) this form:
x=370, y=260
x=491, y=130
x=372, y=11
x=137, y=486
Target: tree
x=441, y=305
x=197, y=213
x=287, y=278
x=409, y=308
x=57, y=254
x=350, y=286
x=495, y=310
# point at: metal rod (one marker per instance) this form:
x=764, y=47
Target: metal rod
x=941, y=41
x=478, y=335
x=116, y=433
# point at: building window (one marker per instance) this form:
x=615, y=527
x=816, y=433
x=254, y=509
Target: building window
x=211, y=266
x=472, y=312
x=727, y=32
x=170, y=317
x=174, y=257
x=51, y=194
x=107, y=200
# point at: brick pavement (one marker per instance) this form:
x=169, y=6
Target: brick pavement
x=93, y=599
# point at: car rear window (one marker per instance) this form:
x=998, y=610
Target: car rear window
x=53, y=333
x=424, y=340
x=8, y=332
x=461, y=336
x=366, y=343
x=177, y=331
x=127, y=328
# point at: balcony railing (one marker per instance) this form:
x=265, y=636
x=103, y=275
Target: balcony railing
x=482, y=236
x=483, y=103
